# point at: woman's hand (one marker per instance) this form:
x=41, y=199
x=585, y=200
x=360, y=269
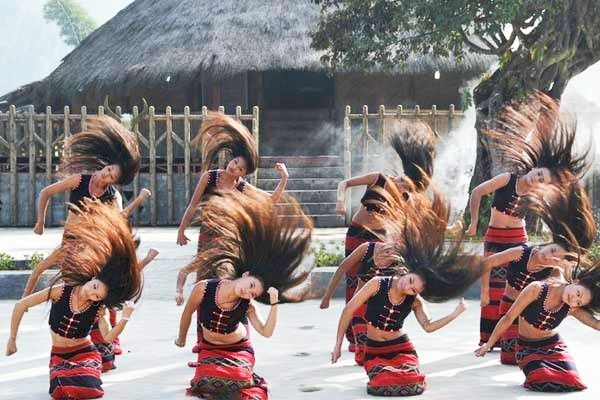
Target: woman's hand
x=152, y=253
x=179, y=298
x=145, y=193
x=482, y=350
x=273, y=295
x=460, y=307
x=336, y=353
x=11, y=346
x=282, y=170
x=38, y=229
x=179, y=342
x=128, y=308
x=324, y=304
x=485, y=299
x=182, y=240
x=340, y=207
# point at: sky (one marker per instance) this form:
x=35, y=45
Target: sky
x=31, y=48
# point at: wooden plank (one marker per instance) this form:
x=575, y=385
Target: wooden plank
x=152, y=156
x=48, y=151
x=256, y=134
x=136, y=181
x=31, y=166
x=169, y=134
x=12, y=149
x=434, y=122
x=451, y=118
x=187, y=153
x=348, y=163
x=83, y=118
x=365, y=138
x=66, y=135
x=221, y=156
x=381, y=124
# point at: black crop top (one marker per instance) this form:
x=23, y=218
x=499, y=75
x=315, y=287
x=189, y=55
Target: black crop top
x=83, y=190
x=371, y=194
x=216, y=319
x=367, y=268
x=537, y=315
x=384, y=315
x=213, y=181
x=505, y=198
x=69, y=324
x=517, y=275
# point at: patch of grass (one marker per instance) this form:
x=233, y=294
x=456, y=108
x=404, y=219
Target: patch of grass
x=328, y=254
x=34, y=260
x=6, y=262
x=594, y=252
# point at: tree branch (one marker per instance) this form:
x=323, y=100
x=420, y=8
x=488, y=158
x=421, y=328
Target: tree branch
x=474, y=46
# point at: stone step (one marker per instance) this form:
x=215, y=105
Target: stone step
x=302, y=161
x=314, y=196
x=296, y=113
x=308, y=172
x=309, y=127
x=327, y=220
x=300, y=184
x=310, y=208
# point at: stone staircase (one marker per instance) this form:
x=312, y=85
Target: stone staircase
x=313, y=182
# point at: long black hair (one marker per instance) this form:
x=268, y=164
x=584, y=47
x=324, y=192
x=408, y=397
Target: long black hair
x=589, y=277
x=251, y=236
x=104, y=142
x=219, y=132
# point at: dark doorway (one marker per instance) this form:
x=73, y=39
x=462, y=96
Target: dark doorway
x=297, y=89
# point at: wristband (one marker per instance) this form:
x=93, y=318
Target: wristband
x=274, y=304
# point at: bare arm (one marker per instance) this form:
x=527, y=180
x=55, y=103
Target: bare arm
x=151, y=255
x=483, y=189
x=39, y=269
x=191, y=209
x=492, y=261
x=348, y=262
x=425, y=321
x=22, y=306
x=136, y=203
x=283, y=178
x=363, y=180
x=265, y=328
x=191, y=306
x=586, y=318
x=109, y=335
x=49, y=191
x=357, y=300
x=181, y=278
x=526, y=297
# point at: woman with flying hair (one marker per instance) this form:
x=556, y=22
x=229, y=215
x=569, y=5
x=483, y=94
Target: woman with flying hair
x=263, y=253
x=537, y=144
x=542, y=355
x=93, y=161
x=98, y=268
x=568, y=214
x=432, y=274
x=220, y=132
x=414, y=142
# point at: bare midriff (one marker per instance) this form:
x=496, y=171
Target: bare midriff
x=224, y=338
x=61, y=341
x=380, y=335
x=529, y=332
x=499, y=219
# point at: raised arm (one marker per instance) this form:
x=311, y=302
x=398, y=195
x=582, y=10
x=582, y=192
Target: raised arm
x=136, y=203
x=359, y=298
x=181, y=278
x=348, y=262
x=483, y=189
x=425, y=321
x=191, y=209
x=363, y=180
x=151, y=255
x=22, y=306
x=48, y=192
x=283, y=178
x=108, y=334
x=492, y=261
x=526, y=297
x=265, y=328
x=191, y=306
x=586, y=318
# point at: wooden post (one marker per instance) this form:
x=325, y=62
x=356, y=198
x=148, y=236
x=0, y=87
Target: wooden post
x=381, y=126
x=31, y=166
x=221, y=156
x=136, y=180
x=66, y=134
x=255, y=133
x=49, y=158
x=83, y=118
x=100, y=111
x=348, y=162
x=12, y=148
x=434, y=124
x=365, y=138
x=152, y=156
x=169, y=133
x=186, y=152
x=238, y=113
x=451, y=118
x=399, y=111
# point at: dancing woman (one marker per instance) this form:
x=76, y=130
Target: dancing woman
x=414, y=142
x=537, y=143
x=107, y=149
x=219, y=132
x=542, y=355
x=264, y=260
x=98, y=269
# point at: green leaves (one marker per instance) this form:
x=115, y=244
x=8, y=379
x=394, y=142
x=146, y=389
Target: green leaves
x=74, y=21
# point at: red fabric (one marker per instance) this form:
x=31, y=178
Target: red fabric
x=359, y=331
x=105, y=350
x=506, y=235
x=548, y=366
x=510, y=337
x=393, y=368
x=227, y=370
x=75, y=372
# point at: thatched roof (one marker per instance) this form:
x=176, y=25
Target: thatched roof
x=151, y=40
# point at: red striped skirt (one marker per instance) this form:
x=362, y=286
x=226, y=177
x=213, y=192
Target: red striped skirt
x=393, y=368
x=75, y=372
x=106, y=350
x=509, y=339
x=359, y=331
x=548, y=366
x=227, y=371
x=497, y=240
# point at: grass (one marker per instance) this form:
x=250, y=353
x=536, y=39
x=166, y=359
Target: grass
x=328, y=254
